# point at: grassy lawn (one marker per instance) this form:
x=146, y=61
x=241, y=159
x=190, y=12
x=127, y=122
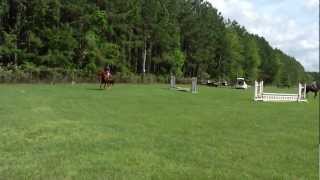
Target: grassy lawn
x=149, y=132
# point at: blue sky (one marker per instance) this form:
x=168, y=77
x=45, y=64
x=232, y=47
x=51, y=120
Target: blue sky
x=290, y=25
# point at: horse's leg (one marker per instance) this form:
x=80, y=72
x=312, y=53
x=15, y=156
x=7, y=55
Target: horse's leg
x=315, y=94
x=107, y=82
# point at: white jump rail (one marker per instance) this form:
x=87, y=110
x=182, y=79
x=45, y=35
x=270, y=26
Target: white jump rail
x=259, y=95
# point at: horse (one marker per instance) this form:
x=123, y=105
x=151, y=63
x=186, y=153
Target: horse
x=105, y=79
x=313, y=88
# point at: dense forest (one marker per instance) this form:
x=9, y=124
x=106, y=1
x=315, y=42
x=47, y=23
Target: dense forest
x=137, y=38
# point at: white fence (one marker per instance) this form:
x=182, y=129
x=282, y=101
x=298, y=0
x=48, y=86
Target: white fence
x=259, y=95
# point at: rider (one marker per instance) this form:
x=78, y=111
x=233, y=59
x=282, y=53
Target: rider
x=107, y=72
x=314, y=84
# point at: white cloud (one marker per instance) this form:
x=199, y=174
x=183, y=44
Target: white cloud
x=311, y=4
x=294, y=34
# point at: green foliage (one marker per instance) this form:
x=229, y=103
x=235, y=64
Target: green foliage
x=252, y=60
x=313, y=76
x=9, y=45
x=3, y=8
x=101, y=53
x=234, y=55
x=187, y=38
x=176, y=59
x=61, y=39
x=91, y=67
x=98, y=21
x=34, y=43
x=55, y=58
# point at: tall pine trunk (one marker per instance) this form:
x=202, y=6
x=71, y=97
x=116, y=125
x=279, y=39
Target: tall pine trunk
x=149, y=57
x=144, y=56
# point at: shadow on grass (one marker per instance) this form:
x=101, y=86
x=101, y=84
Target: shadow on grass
x=95, y=89
x=178, y=89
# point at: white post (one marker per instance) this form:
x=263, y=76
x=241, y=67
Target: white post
x=299, y=92
x=261, y=89
x=256, y=90
x=173, y=82
x=302, y=92
x=305, y=92
x=194, y=88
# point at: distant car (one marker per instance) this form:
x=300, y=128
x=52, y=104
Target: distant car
x=241, y=84
x=204, y=82
x=224, y=83
x=214, y=83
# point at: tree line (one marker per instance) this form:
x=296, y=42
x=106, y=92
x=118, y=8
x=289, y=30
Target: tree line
x=160, y=37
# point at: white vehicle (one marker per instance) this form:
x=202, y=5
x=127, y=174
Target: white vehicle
x=241, y=84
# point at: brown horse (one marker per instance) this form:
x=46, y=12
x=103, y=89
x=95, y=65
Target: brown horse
x=105, y=79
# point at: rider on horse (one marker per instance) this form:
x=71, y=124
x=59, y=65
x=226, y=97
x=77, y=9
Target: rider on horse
x=313, y=88
x=106, y=77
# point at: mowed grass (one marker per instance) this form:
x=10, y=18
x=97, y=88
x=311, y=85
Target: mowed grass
x=139, y=132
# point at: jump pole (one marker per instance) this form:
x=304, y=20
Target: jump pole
x=193, y=89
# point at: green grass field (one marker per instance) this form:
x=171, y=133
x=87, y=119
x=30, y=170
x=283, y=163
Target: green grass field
x=139, y=132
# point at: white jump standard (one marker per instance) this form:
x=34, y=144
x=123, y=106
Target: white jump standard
x=259, y=95
x=193, y=89
x=173, y=82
